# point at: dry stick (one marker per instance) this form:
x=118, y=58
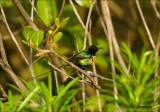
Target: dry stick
x=145, y=25
x=56, y=79
x=77, y=15
x=94, y=67
x=24, y=14
x=87, y=23
x=110, y=35
x=33, y=7
x=156, y=70
x=153, y=2
x=2, y=51
x=4, y=64
x=84, y=47
x=57, y=69
x=82, y=77
x=12, y=36
x=3, y=92
x=13, y=76
x=31, y=50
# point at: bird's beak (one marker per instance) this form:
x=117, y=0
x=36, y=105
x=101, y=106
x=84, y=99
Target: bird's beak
x=100, y=48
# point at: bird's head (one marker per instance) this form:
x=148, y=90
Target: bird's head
x=93, y=49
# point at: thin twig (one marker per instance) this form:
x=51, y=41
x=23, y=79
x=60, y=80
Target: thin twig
x=87, y=23
x=77, y=15
x=111, y=39
x=24, y=14
x=94, y=67
x=31, y=50
x=2, y=51
x=153, y=2
x=145, y=25
x=12, y=75
x=12, y=36
x=111, y=34
x=3, y=92
x=57, y=69
x=56, y=80
x=156, y=93
x=37, y=14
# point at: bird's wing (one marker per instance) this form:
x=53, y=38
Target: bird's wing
x=77, y=57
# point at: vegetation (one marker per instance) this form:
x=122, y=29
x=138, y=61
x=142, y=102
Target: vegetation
x=45, y=33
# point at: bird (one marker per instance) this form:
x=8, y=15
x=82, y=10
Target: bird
x=84, y=58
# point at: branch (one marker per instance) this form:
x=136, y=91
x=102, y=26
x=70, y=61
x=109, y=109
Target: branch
x=12, y=36
x=47, y=46
x=24, y=14
x=111, y=34
x=94, y=67
x=46, y=26
x=3, y=92
x=87, y=23
x=76, y=13
x=145, y=25
x=12, y=75
x=153, y=2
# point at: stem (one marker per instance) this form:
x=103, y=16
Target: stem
x=145, y=25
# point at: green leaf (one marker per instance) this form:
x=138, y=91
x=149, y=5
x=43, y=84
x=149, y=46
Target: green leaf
x=57, y=37
x=28, y=32
x=28, y=98
x=37, y=37
x=64, y=22
x=6, y=3
x=56, y=21
x=85, y=3
x=47, y=10
x=10, y=97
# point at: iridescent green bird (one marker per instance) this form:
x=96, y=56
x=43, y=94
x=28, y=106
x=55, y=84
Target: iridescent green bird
x=84, y=58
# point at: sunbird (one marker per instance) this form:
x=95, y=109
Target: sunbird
x=84, y=58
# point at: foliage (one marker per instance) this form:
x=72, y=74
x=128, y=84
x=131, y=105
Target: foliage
x=40, y=94
x=136, y=91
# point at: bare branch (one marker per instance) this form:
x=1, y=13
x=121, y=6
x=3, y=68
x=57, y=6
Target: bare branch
x=3, y=92
x=76, y=13
x=37, y=13
x=153, y=2
x=94, y=67
x=145, y=25
x=24, y=14
x=12, y=75
x=87, y=23
x=56, y=80
x=111, y=34
x=12, y=36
